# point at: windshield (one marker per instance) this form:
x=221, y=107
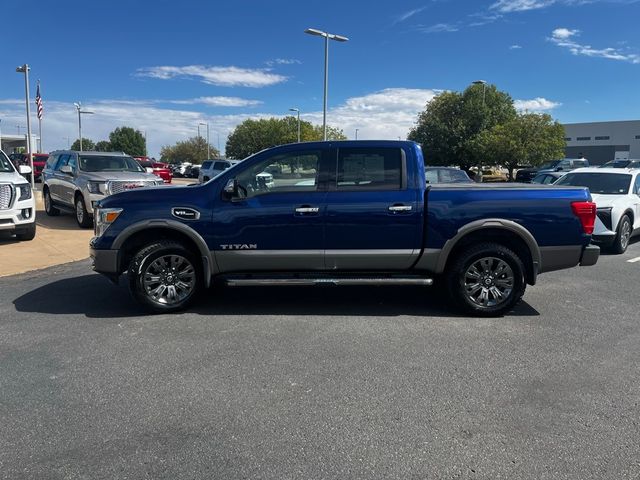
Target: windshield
x=616, y=164
x=5, y=163
x=550, y=164
x=108, y=163
x=602, y=183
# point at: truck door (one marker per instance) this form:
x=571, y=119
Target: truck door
x=276, y=222
x=374, y=215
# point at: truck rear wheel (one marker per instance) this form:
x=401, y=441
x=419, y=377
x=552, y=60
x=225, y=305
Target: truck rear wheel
x=165, y=276
x=486, y=280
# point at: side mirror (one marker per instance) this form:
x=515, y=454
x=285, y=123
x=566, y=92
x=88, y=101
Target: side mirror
x=558, y=169
x=66, y=169
x=231, y=188
x=24, y=169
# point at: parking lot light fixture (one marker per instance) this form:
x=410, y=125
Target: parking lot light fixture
x=81, y=112
x=298, y=111
x=327, y=36
x=208, y=148
x=25, y=69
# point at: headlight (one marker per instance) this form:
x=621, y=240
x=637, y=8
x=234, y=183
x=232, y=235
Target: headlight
x=25, y=191
x=104, y=217
x=97, y=187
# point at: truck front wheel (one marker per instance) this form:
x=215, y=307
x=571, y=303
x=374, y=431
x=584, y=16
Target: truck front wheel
x=165, y=277
x=486, y=280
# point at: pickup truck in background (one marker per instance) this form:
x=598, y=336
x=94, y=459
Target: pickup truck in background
x=345, y=213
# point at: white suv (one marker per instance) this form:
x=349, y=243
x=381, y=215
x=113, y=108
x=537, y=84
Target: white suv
x=212, y=168
x=616, y=192
x=17, y=205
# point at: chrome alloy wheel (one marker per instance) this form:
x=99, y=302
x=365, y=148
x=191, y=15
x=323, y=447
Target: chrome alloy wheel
x=79, y=211
x=625, y=234
x=169, y=279
x=489, y=281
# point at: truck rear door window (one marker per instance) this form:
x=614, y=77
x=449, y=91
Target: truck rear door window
x=369, y=169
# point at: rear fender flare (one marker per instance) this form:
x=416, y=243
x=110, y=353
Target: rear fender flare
x=492, y=223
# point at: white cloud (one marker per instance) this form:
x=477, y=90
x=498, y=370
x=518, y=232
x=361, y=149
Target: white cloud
x=538, y=104
x=385, y=114
x=565, y=38
x=283, y=61
x=439, y=27
x=407, y=15
x=222, y=76
x=508, y=6
x=219, y=102
x=515, y=47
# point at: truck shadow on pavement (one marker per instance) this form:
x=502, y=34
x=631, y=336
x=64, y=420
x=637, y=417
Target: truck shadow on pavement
x=95, y=297
x=64, y=221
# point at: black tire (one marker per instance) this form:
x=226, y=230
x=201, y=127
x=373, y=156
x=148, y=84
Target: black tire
x=493, y=278
x=82, y=216
x=28, y=234
x=48, y=204
x=147, y=262
x=623, y=235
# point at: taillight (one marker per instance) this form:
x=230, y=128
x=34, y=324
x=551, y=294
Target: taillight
x=586, y=212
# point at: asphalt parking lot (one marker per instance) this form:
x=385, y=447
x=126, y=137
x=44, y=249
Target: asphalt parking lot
x=288, y=383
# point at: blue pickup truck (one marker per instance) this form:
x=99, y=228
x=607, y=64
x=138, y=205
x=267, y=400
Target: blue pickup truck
x=345, y=213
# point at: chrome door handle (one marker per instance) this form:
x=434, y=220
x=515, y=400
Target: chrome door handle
x=400, y=208
x=307, y=210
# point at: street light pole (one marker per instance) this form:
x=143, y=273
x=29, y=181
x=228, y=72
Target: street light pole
x=80, y=113
x=357, y=133
x=25, y=69
x=327, y=36
x=484, y=94
x=208, y=147
x=298, y=111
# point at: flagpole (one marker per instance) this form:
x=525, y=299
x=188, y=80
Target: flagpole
x=39, y=121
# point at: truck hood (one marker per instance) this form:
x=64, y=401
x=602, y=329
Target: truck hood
x=12, y=177
x=121, y=176
x=609, y=201
x=160, y=195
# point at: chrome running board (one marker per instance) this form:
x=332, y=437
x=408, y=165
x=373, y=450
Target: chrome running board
x=255, y=282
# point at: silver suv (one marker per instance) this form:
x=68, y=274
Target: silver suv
x=74, y=181
x=212, y=168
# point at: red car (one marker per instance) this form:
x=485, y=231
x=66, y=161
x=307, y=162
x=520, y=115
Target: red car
x=39, y=160
x=157, y=168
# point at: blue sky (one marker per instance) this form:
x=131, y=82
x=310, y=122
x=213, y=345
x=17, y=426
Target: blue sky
x=165, y=66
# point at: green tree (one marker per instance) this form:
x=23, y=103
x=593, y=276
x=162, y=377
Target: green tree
x=193, y=150
x=103, y=146
x=527, y=139
x=448, y=127
x=129, y=141
x=251, y=136
x=87, y=144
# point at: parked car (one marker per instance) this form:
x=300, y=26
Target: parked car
x=525, y=175
x=75, y=181
x=39, y=160
x=616, y=192
x=192, y=171
x=446, y=175
x=17, y=205
x=370, y=219
x=212, y=168
x=622, y=164
x=547, y=178
x=493, y=175
x=157, y=168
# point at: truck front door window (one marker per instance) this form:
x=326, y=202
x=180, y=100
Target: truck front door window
x=288, y=172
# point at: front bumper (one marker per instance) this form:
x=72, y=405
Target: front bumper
x=106, y=262
x=21, y=216
x=590, y=256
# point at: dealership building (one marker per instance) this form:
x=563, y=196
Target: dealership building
x=600, y=142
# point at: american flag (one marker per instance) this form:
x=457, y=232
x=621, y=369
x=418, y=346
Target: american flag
x=39, y=102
